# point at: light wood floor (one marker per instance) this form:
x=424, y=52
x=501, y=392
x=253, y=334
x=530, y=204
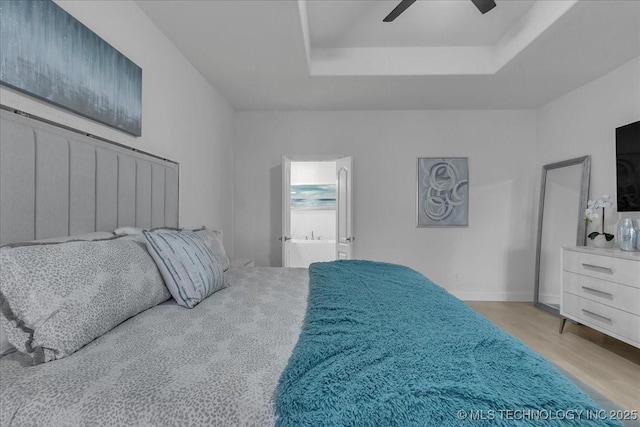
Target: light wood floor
x=609, y=366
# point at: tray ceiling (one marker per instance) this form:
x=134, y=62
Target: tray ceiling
x=326, y=54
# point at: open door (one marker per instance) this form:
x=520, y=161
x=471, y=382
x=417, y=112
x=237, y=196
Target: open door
x=286, y=211
x=343, y=211
x=344, y=222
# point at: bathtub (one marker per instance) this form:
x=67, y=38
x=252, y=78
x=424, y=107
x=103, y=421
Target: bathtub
x=305, y=252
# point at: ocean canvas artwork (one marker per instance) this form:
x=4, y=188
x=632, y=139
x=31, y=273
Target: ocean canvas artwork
x=50, y=55
x=313, y=197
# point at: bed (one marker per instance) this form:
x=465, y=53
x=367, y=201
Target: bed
x=343, y=343
x=221, y=362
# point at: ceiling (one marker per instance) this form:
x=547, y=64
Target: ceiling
x=356, y=23
x=439, y=54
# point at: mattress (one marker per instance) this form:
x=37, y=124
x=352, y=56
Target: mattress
x=216, y=364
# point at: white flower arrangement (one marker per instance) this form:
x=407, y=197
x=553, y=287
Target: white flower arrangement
x=591, y=214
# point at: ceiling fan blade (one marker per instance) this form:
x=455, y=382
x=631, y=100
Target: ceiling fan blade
x=484, y=6
x=404, y=4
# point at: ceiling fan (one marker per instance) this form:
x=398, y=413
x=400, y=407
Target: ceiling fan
x=483, y=6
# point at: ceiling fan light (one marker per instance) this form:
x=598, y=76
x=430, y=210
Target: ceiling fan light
x=484, y=6
x=401, y=7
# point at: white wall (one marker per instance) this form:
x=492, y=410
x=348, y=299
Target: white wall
x=183, y=117
x=583, y=122
x=492, y=259
x=313, y=173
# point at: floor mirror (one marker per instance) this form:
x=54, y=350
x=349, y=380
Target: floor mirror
x=563, y=200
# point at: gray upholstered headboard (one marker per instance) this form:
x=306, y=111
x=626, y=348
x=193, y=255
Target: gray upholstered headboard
x=57, y=182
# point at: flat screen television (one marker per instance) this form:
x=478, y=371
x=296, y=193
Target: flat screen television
x=628, y=167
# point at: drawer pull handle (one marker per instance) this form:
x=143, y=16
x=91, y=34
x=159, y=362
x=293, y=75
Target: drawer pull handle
x=597, y=267
x=586, y=288
x=596, y=315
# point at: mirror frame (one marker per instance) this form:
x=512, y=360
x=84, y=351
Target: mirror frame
x=581, y=228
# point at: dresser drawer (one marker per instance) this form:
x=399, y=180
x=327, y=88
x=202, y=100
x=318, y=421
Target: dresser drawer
x=603, y=267
x=624, y=297
x=601, y=316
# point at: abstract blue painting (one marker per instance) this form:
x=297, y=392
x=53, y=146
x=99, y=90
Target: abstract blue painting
x=443, y=192
x=48, y=54
x=313, y=197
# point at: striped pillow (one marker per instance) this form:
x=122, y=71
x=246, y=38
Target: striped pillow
x=187, y=265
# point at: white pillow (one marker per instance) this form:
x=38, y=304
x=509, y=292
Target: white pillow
x=213, y=239
x=79, y=291
x=5, y=345
x=127, y=230
x=98, y=235
x=137, y=230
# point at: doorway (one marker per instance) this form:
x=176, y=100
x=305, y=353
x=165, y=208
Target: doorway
x=316, y=210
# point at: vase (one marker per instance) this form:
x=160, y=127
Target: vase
x=627, y=234
x=601, y=242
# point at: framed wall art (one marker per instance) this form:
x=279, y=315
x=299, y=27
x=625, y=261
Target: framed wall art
x=442, y=192
x=48, y=54
x=313, y=196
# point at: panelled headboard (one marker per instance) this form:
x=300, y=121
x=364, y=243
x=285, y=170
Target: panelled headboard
x=57, y=182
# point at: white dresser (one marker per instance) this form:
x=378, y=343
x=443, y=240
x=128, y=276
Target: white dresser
x=601, y=289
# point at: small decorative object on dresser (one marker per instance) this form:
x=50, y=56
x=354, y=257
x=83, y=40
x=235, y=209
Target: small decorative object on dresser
x=627, y=234
x=600, y=240
x=601, y=289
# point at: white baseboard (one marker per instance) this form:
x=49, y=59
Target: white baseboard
x=549, y=299
x=494, y=296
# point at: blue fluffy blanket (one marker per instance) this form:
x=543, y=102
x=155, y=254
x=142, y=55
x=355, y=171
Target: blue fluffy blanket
x=383, y=346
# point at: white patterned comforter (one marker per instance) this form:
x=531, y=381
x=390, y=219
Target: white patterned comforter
x=217, y=364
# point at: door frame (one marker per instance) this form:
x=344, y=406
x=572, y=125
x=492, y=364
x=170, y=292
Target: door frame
x=314, y=157
x=344, y=244
x=299, y=158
